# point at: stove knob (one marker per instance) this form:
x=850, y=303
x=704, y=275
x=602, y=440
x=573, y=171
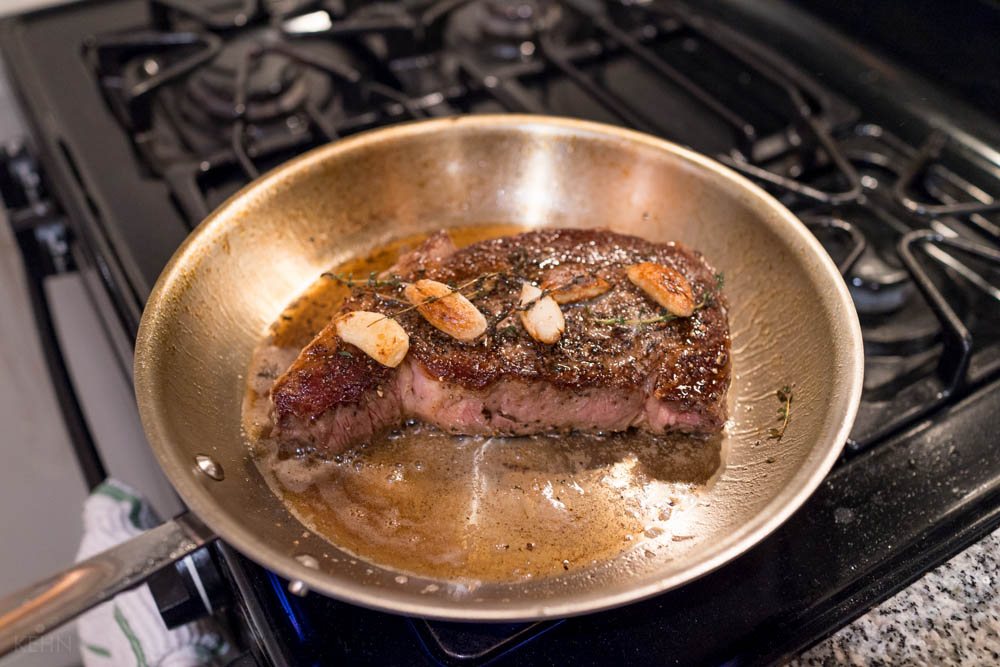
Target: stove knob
x=189, y=590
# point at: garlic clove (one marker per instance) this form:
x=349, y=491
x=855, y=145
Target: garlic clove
x=380, y=337
x=542, y=320
x=664, y=285
x=446, y=309
x=577, y=289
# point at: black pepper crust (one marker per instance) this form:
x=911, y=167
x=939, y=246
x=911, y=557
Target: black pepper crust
x=683, y=361
x=328, y=374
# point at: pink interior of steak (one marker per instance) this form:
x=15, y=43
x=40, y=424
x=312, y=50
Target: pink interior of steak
x=606, y=373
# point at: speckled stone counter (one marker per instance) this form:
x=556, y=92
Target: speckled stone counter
x=951, y=616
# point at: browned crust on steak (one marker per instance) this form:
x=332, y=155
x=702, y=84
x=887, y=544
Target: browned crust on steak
x=327, y=374
x=588, y=354
x=683, y=363
x=427, y=256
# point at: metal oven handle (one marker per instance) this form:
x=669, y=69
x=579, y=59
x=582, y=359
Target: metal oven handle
x=40, y=608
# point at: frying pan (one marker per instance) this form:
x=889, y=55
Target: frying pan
x=791, y=317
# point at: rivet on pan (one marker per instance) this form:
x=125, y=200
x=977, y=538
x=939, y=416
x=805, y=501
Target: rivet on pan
x=296, y=587
x=210, y=467
x=308, y=561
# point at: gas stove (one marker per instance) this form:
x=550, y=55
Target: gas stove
x=148, y=114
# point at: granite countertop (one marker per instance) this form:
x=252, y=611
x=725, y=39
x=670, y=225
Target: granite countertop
x=950, y=616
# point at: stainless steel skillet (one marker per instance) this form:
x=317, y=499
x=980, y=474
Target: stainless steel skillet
x=791, y=316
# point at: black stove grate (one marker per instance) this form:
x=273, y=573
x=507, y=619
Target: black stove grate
x=979, y=202
x=144, y=75
x=953, y=365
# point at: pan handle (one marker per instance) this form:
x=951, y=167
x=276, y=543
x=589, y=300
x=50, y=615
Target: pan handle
x=34, y=611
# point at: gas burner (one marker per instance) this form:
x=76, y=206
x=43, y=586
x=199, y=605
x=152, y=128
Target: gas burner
x=275, y=85
x=876, y=286
x=216, y=15
x=504, y=29
x=518, y=18
x=286, y=8
x=201, y=98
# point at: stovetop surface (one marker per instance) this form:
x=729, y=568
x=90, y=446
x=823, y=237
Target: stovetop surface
x=149, y=114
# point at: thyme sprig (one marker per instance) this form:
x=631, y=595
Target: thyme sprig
x=372, y=280
x=784, y=396
x=385, y=298
x=479, y=281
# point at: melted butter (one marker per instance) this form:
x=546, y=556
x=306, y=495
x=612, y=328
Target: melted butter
x=491, y=509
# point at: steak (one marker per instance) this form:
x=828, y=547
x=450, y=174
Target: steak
x=611, y=370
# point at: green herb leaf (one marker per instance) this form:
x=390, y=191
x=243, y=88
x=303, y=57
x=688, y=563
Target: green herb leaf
x=372, y=282
x=784, y=396
x=452, y=289
x=508, y=332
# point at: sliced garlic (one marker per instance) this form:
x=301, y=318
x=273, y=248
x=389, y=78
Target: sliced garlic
x=577, y=289
x=664, y=285
x=446, y=310
x=543, y=320
x=381, y=338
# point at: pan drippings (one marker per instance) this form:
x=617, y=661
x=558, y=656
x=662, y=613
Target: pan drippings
x=490, y=509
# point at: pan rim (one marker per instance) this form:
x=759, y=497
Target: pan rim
x=772, y=515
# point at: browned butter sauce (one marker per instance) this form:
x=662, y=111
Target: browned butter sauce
x=452, y=507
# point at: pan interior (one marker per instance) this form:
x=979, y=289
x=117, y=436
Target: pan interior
x=791, y=319
x=475, y=508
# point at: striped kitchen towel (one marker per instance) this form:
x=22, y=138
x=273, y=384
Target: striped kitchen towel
x=128, y=630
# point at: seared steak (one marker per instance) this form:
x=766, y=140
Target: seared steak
x=606, y=373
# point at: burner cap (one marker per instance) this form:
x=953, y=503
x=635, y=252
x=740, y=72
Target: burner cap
x=276, y=84
x=503, y=28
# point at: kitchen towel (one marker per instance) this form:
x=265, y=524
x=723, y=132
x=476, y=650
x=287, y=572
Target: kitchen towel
x=128, y=630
